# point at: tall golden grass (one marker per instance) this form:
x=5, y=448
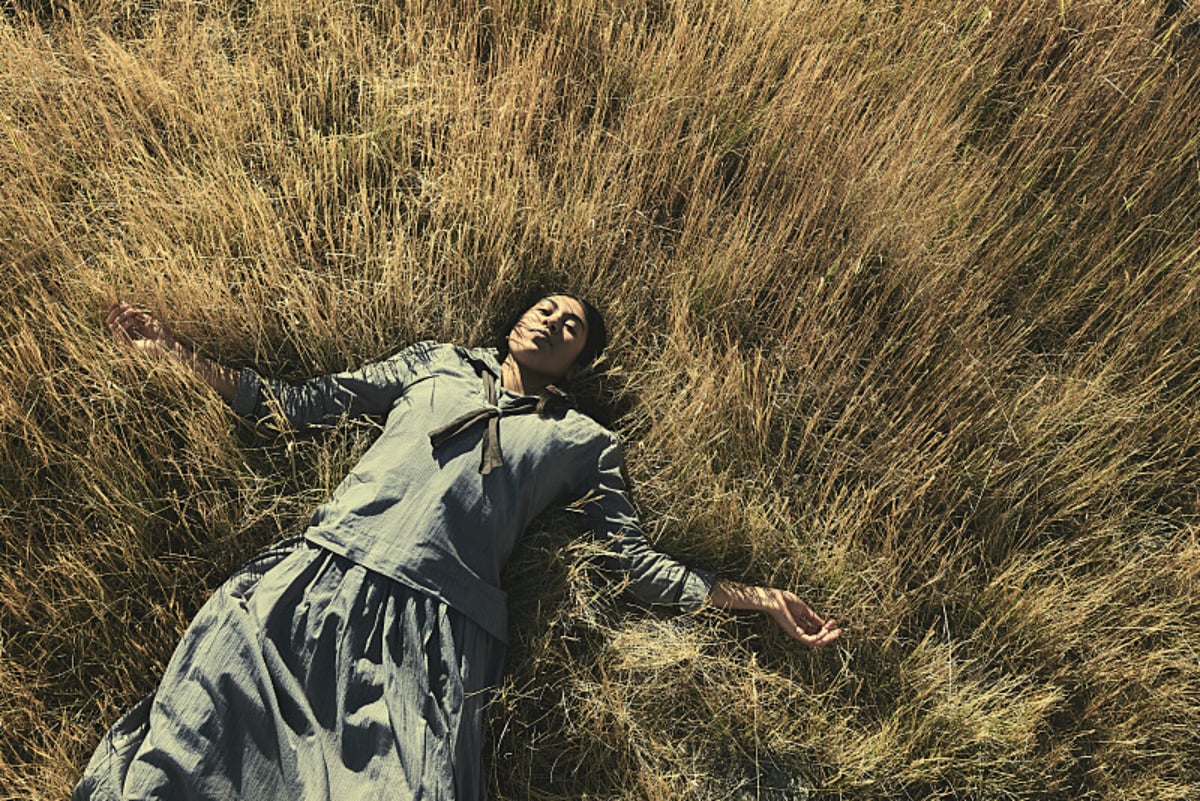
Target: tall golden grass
x=904, y=299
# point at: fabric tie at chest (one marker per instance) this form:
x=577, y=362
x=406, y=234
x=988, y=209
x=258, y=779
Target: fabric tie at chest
x=492, y=458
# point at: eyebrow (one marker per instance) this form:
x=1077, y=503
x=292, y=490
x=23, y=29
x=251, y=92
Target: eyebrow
x=573, y=315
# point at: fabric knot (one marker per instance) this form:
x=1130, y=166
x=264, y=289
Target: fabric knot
x=492, y=457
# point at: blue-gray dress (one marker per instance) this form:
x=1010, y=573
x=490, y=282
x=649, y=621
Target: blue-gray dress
x=355, y=661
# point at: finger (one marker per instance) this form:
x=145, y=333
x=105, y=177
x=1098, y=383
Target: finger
x=132, y=313
x=797, y=629
x=811, y=635
x=812, y=640
x=829, y=633
x=133, y=321
x=821, y=638
x=808, y=619
x=124, y=329
x=117, y=313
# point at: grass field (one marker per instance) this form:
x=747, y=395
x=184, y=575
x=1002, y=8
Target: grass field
x=904, y=301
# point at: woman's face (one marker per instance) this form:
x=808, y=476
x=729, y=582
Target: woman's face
x=549, y=336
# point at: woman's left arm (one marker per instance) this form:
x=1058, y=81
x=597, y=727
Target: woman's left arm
x=658, y=579
x=788, y=611
x=604, y=500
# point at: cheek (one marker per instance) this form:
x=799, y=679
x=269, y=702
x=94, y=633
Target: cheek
x=576, y=348
x=515, y=338
x=523, y=325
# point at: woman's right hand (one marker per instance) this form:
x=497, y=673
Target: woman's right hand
x=138, y=331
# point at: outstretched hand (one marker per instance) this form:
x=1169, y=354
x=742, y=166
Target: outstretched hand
x=139, y=331
x=788, y=611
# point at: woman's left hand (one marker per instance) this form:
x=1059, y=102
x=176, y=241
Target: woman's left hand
x=787, y=610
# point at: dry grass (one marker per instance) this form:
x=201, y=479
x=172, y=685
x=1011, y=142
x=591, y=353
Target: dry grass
x=905, y=298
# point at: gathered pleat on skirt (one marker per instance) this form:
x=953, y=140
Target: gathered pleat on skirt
x=308, y=676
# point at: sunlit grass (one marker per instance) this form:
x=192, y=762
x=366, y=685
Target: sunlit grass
x=904, y=303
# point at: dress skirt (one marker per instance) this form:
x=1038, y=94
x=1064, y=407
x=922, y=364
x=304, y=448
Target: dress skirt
x=308, y=676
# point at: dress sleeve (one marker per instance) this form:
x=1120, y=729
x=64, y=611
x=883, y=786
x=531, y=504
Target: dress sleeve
x=654, y=577
x=365, y=392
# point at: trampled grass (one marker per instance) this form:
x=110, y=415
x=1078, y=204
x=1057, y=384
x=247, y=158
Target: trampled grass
x=904, y=300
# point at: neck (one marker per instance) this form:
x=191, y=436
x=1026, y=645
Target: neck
x=522, y=380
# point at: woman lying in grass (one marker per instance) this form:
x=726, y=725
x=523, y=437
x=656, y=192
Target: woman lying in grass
x=355, y=661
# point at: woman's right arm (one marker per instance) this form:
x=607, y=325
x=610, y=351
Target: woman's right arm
x=139, y=331
x=368, y=391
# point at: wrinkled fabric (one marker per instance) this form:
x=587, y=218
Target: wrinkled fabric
x=355, y=662
x=307, y=676
x=423, y=513
x=489, y=414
